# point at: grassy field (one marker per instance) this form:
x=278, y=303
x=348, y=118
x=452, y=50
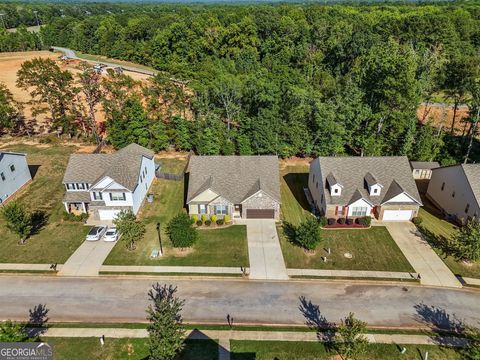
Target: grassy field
x=295, y=206
x=372, y=249
x=58, y=239
x=267, y=350
x=118, y=349
x=215, y=247
x=444, y=229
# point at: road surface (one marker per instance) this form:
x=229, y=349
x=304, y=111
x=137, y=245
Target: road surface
x=210, y=300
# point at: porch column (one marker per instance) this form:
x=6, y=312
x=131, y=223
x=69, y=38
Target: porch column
x=84, y=208
x=66, y=207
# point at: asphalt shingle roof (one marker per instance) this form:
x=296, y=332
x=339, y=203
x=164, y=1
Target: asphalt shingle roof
x=472, y=172
x=392, y=172
x=424, y=164
x=122, y=166
x=234, y=177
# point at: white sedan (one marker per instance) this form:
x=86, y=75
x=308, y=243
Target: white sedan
x=96, y=233
x=111, y=234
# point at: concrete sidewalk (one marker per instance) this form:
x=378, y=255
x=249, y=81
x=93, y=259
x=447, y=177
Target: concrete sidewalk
x=27, y=267
x=173, y=269
x=353, y=274
x=87, y=259
x=264, y=251
x=421, y=256
x=255, y=335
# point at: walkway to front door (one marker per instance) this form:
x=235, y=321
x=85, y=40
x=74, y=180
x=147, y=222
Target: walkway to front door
x=264, y=251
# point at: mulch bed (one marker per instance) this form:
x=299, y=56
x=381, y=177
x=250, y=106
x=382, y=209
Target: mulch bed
x=345, y=226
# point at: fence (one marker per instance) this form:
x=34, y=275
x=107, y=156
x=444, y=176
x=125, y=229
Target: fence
x=169, y=176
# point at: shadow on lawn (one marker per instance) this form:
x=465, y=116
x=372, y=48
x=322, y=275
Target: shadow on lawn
x=296, y=182
x=33, y=170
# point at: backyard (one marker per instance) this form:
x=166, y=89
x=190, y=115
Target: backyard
x=56, y=241
x=225, y=246
x=371, y=249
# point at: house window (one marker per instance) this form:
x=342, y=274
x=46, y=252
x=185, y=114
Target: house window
x=316, y=185
x=97, y=196
x=202, y=208
x=340, y=210
x=117, y=197
x=335, y=191
x=453, y=194
x=221, y=209
x=12, y=168
x=417, y=171
x=70, y=186
x=2, y=175
x=443, y=186
x=313, y=175
x=467, y=208
x=145, y=169
x=321, y=201
x=359, y=211
x=80, y=186
x=375, y=190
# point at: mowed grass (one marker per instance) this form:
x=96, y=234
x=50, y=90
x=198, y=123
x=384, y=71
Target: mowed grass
x=295, y=207
x=215, y=247
x=372, y=249
x=118, y=349
x=446, y=230
x=267, y=350
x=57, y=240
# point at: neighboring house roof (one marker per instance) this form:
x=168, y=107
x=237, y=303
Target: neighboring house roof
x=3, y=153
x=235, y=178
x=356, y=173
x=472, y=172
x=428, y=165
x=123, y=166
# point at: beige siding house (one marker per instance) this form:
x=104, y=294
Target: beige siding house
x=353, y=187
x=237, y=186
x=456, y=191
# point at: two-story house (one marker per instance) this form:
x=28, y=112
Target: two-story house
x=105, y=184
x=352, y=187
x=14, y=173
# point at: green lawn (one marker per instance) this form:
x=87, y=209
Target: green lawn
x=118, y=349
x=215, y=247
x=372, y=249
x=58, y=239
x=444, y=229
x=267, y=350
x=295, y=206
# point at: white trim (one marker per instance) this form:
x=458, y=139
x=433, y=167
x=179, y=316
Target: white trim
x=403, y=193
x=270, y=196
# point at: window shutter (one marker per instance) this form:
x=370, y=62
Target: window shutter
x=111, y=198
x=336, y=210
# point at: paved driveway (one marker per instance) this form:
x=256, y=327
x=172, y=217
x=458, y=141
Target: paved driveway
x=418, y=252
x=264, y=251
x=87, y=259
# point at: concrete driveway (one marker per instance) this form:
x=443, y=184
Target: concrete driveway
x=87, y=259
x=421, y=256
x=264, y=251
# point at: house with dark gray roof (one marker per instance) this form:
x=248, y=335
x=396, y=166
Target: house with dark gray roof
x=105, y=184
x=14, y=174
x=238, y=186
x=353, y=187
x=422, y=170
x=455, y=190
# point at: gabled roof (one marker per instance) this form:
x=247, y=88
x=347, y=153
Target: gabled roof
x=392, y=172
x=235, y=178
x=427, y=165
x=122, y=166
x=370, y=180
x=472, y=172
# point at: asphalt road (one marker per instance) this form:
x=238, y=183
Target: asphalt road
x=125, y=300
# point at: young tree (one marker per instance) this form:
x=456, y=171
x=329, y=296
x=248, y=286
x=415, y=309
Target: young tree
x=129, y=228
x=18, y=220
x=466, y=242
x=166, y=332
x=307, y=234
x=350, y=342
x=181, y=231
x=11, y=331
x=472, y=350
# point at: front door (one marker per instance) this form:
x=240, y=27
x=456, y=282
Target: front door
x=237, y=212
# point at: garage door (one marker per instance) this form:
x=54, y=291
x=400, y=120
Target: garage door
x=397, y=215
x=260, y=213
x=108, y=214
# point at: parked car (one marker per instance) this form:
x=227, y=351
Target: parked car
x=96, y=233
x=111, y=234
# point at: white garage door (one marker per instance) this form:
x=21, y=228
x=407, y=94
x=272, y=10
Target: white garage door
x=108, y=214
x=397, y=214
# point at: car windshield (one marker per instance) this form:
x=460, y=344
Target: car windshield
x=111, y=232
x=94, y=231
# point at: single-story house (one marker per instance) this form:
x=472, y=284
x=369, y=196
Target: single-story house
x=105, y=184
x=456, y=191
x=245, y=187
x=422, y=170
x=14, y=173
x=352, y=187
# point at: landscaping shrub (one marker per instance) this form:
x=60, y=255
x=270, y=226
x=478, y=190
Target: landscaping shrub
x=72, y=217
x=220, y=222
x=306, y=235
x=349, y=221
x=341, y=221
x=226, y=218
x=199, y=223
x=417, y=220
x=365, y=221
x=213, y=218
x=322, y=221
x=194, y=219
x=181, y=232
x=204, y=218
x=331, y=221
x=208, y=222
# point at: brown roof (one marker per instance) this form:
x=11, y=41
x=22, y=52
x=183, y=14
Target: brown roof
x=122, y=166
x=354, y=174
x=428, y=165
x=234, y=177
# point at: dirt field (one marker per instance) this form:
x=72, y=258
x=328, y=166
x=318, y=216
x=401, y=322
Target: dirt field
x=444, y=116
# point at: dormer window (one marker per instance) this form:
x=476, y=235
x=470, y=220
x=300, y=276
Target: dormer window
x=374, y=187
x=336, y=190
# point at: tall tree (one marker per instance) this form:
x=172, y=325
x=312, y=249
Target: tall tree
x=350, y=341
x=130, y=230
x=9, y=109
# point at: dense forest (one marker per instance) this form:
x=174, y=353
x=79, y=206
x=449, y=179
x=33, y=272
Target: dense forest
x=284, y=79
